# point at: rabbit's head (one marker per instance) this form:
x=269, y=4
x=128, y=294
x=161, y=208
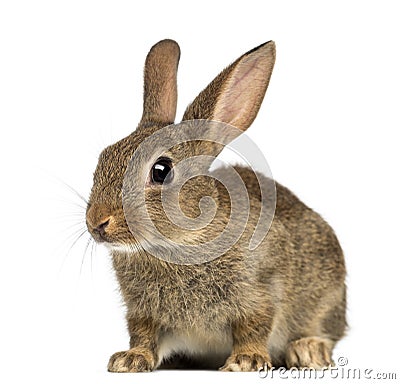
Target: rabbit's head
x=135, y=179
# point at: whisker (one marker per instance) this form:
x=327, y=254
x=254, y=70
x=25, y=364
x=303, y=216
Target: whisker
x=71, y=188
x=84, y=231
x=72, y=226
x=94, y=244
x=74, y=233
x=82, y=207
x=77, y=235
x=84, y=254
x=66, y=242
x=72, y=215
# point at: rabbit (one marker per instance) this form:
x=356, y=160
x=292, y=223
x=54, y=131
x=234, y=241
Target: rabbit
x=282, y=304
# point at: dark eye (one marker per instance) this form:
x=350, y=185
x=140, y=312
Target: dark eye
x=162, y=171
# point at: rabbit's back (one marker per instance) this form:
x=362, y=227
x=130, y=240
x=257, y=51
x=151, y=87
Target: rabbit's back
x=313, y=263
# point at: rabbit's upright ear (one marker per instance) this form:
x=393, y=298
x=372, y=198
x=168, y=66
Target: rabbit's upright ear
x=235, y=95
x=160, y=88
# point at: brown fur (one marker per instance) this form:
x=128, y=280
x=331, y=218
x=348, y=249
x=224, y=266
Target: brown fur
x=282, y=304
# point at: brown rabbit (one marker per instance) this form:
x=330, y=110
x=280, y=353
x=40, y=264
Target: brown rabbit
x=280, y=304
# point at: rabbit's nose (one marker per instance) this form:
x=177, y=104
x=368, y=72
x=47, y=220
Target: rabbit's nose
x=101, y=228
x=98, y=221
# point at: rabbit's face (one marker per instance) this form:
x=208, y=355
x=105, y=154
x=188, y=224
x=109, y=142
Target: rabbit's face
x=107, y=217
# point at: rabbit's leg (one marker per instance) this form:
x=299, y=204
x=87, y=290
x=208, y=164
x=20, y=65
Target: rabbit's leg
x=249, y=351
x=310, y=352
x=142, y=355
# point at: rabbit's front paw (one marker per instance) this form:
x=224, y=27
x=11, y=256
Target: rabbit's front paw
x=246, y=362
x=133, y=360
x=309, y=352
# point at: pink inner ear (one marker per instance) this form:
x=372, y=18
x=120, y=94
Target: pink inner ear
x=243, y=93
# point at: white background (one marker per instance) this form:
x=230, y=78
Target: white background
x=71, y=83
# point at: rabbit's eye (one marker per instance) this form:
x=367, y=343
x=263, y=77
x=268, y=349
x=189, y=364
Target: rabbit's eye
x=162, y=171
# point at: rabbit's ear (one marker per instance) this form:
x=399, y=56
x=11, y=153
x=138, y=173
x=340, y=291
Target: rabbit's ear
x=160, y=88
x=235, y=95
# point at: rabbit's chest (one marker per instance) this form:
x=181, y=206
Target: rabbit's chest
x=191, y=302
